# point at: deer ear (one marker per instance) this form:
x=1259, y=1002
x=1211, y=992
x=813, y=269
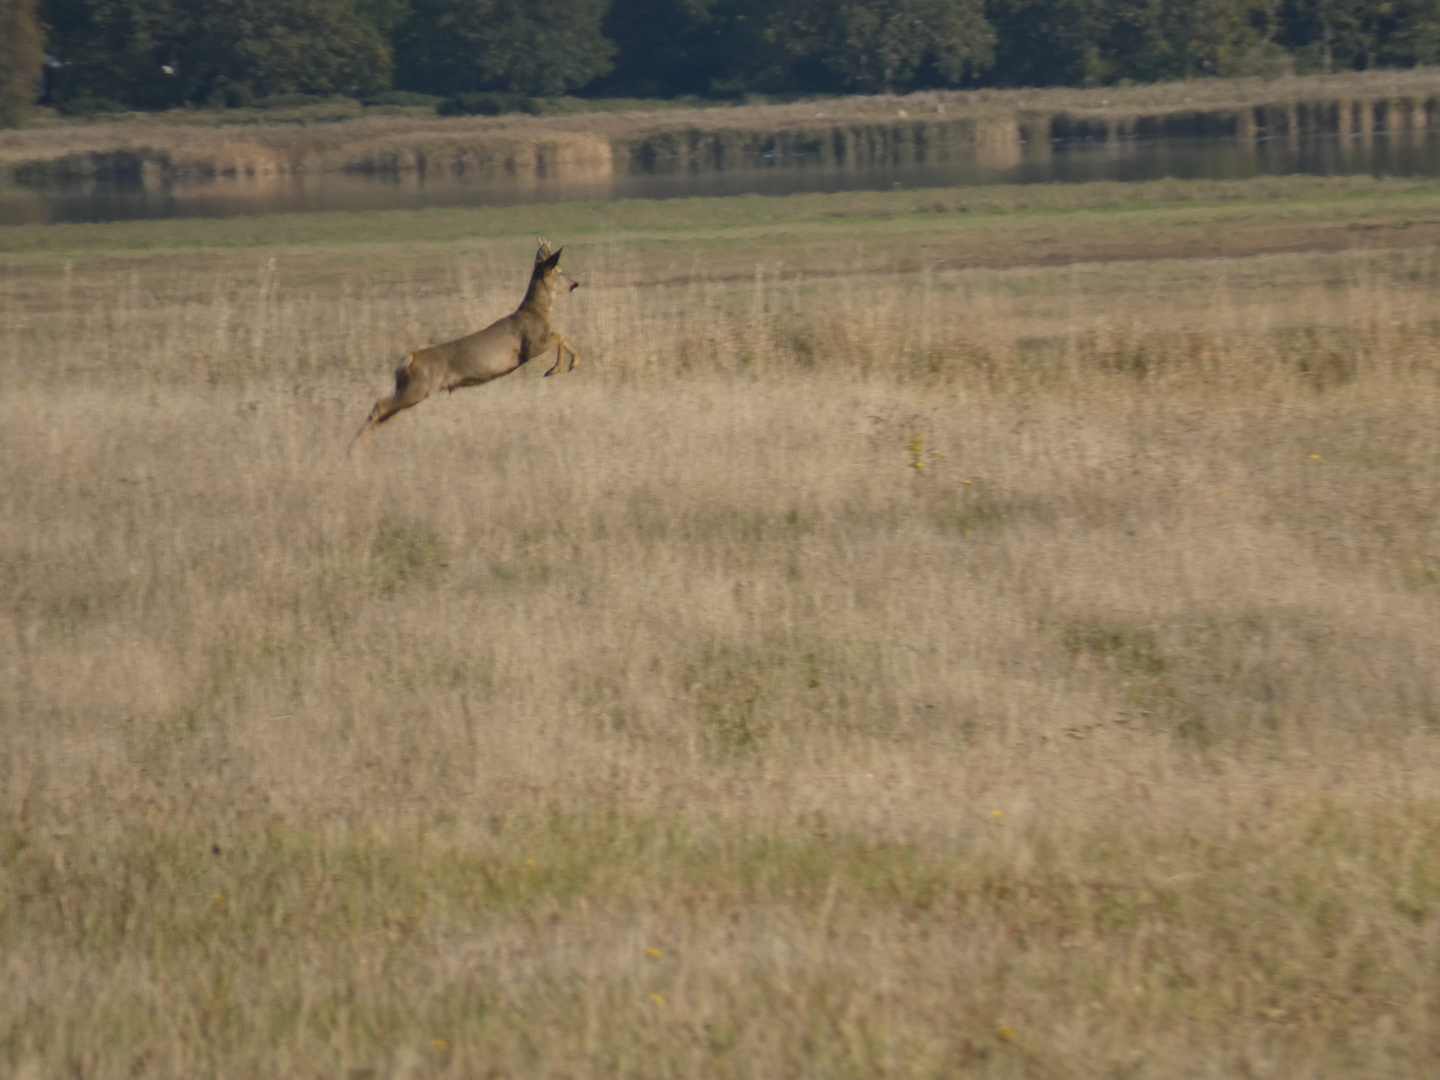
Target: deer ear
x=549, y=264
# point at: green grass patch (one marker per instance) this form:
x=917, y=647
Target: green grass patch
x=861, y=213
x=402, y=555
x=233, y=885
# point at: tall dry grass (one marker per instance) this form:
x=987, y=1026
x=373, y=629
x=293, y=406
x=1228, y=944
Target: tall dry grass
x=668, y=718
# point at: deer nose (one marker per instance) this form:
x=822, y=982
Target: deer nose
x=574, y=285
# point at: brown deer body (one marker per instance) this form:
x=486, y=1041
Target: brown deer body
x=486, y=354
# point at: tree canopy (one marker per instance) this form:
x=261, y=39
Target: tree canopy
x=538, y=47
x=158, y=53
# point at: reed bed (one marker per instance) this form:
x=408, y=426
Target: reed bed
x=1020, y=673
x=587, y=140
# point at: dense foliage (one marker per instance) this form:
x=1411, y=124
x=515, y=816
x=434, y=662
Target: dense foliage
x=537, y=47
x=159, y=53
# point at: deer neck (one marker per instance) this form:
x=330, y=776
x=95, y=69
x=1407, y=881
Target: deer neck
x=537, y=299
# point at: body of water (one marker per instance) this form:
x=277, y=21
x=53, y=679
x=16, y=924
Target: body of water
x=1413, y=154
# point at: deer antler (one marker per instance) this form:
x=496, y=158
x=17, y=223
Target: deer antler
x=544, y=252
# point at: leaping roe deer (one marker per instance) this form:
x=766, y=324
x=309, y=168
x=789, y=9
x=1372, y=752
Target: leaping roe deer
x=486, y=354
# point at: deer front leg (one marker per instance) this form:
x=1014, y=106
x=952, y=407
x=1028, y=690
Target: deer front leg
x=557, y=341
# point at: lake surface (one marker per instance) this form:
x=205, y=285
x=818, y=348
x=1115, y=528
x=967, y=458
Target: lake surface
x=1412, y=154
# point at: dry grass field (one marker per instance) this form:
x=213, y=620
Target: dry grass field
x=883, y=668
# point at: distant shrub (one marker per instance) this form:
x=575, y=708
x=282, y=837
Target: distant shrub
x=89, y=105
x=403, y=97
x=234, y=96
x=290, y=101
x=1268, y=61
x=489, y=103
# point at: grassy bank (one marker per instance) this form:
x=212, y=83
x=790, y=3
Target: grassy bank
x=889, y=669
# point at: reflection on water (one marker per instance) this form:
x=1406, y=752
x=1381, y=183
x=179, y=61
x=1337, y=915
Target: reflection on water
x=1414, y=154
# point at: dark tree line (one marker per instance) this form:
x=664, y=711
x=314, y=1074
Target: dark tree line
x=154, y=54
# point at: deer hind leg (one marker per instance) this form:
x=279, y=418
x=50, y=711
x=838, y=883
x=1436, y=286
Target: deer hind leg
x=561, y=346
x=410, y=389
